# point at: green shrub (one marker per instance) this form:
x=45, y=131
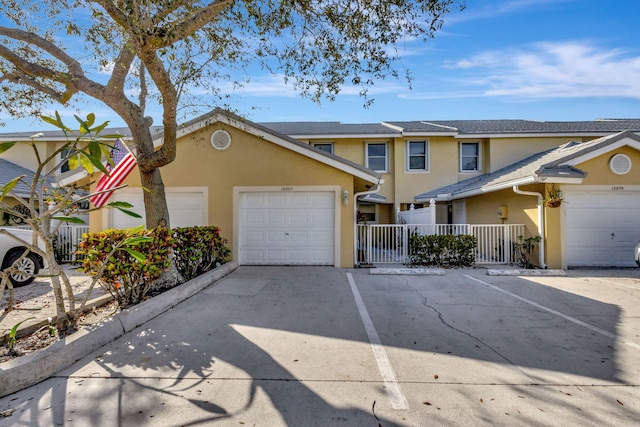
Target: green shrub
x=442, y=250
x=523, y=249
x=198, y=250
x=127, y=262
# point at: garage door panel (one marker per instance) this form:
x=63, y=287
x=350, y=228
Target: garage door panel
x=300, y=200
x=254, y=236
x=274, y=237
x=297, y=228
x=300, y=237
x=276, y=256
x=276, y=218
x=301, y=217
x=601, y=228
x=185, y=209
x=321, y=237
x=253, y=218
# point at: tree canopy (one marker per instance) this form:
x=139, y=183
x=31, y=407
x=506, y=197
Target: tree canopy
x=180, y=54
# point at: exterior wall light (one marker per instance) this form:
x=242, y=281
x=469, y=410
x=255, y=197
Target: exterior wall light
x=345, y=197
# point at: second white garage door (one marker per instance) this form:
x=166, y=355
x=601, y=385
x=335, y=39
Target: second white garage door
x=186, y=208
x=287, y=228
x=602, y=228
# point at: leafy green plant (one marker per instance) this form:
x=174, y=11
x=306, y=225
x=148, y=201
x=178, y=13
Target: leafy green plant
x=46, y=206
x=12, y=334
x=127, y=273
x=51, y=328
x=523, y=249
x=442, y=250
x=554, y=197
x=198, y=250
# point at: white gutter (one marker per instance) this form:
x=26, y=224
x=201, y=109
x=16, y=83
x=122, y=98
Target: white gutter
x=355, y=218
x=540, y=221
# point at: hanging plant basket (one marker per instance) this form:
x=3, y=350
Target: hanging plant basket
x=553, y=203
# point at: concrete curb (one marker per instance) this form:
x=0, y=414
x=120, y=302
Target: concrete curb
x=525, y=272
x=33, y=368
x=408, y=271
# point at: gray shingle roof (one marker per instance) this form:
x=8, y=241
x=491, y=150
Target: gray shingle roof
x=550, y=164
x=478, y=127
x=397, y=128
x=329, y=128
x=10, y=170
x=60, y=135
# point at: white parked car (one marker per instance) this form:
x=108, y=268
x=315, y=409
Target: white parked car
x=11, y=250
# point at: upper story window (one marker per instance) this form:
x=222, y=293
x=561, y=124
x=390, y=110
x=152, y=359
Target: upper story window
x=377, y=158
x=469, y=156
x=63, y=154
x=417, y=156
x=324, y=146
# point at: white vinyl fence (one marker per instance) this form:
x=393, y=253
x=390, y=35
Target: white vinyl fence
x=417, y=216
x=67, y=241
x=389, y=243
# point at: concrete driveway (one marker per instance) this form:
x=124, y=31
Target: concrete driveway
x=306, y=346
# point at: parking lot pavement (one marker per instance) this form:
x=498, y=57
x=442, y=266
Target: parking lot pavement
x=539, y=347
x=324, y=346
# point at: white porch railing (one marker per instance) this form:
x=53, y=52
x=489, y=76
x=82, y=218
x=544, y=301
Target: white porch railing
x=389, y=243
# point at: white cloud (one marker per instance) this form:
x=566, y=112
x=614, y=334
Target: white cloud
x=493, y=8
x=275, y=86
x=547, y=70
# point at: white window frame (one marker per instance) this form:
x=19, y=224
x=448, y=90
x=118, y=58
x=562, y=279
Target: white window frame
x=329, y=143
x=386, y=155
x=479, y=157
x=408, y=155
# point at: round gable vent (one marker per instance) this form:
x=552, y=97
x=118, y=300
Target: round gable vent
x=620, y=164
x=221, y=140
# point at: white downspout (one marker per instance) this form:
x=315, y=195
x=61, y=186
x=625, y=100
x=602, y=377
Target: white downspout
x=355, y=218
x=540, y=222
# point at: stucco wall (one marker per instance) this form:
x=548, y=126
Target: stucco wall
x=23, y=154
x=505, y=151
x=521, y=209
x=599, y=172
x=249, y=162
x=353, y=149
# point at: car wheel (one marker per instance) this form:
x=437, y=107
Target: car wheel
x=27, y=266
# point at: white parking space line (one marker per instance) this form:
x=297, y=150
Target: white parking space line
x=557, y=313
x=613, y=282
x=396, y=397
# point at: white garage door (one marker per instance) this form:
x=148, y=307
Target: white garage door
x=287, y=228
x=186, y=208
x=601, y=228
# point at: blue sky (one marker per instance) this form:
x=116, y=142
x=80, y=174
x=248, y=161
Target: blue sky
x=498, y=59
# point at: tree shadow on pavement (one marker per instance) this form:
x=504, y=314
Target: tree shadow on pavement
x=289, y=348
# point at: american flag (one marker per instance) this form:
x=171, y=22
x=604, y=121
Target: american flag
x=124, y=163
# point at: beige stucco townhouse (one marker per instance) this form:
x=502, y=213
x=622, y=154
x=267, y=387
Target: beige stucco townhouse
x=598, y=220
x=490, y=172
x=288, y=192
x=276, y=200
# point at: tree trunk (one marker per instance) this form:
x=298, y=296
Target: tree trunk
x=155, y=201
